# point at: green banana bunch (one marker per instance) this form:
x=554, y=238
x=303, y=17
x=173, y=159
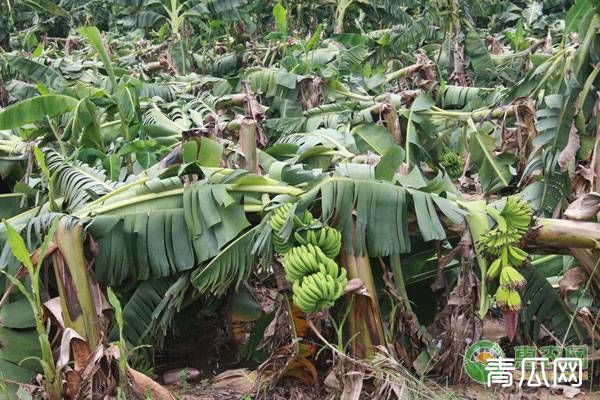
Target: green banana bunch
x=327, y=238
x=511, y=278
x=309, y=259
x=317, y=280
x=498, y=238
x=494, y=269
x=277, y=221
x=517, y=214
x=508, y=299
x=452, y=162
x=317, y=291
x=495, y=241
x=305, y=219
x=509, y=255
x=301, y=261
x=330, y=268
x=511, y=224
x=515, y=255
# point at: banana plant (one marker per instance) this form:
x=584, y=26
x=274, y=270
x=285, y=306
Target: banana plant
x=349, y=169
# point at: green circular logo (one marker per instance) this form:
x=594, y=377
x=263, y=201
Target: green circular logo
x=477, y=356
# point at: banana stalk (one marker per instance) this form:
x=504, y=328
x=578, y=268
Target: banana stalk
x=478, y=222
x=248, y=136
x=365, y=322
x=562, y=233
x=76, y=288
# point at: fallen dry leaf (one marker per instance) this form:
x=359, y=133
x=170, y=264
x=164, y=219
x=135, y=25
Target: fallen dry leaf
x=145, y=388
x=568, y=392
x=240, y=380
x=331, y=380
x=54, y=307
x=585, y=207
x=68, y=336
x=571, y=281
x=568, y=153
x=353, y=383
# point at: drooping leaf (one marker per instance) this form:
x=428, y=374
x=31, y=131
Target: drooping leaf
x=48, y=6
x=543, y=305
x=179, y=52
x=139, y=310
x=485, y=69
x=84, y=126
x=389, y=163
x=38, y=72
x=77, y=182
x=210, y=153
x=229, y=268
x=576, y=14
x=494, y=170
x=429, y=224
x=381, y=212
x=128, y=103
x=92, y=35
x=376, y=136
x=35, y=109
x=554, y=121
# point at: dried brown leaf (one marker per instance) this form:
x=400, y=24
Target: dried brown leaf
x=54, y=307
x=584, y=208
x=240, y=380
x=568, y=153
x=64, y=356
x=571, y=281
x=568, y=392
x=353, y=383
x=354, y=285
x=145, y=388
